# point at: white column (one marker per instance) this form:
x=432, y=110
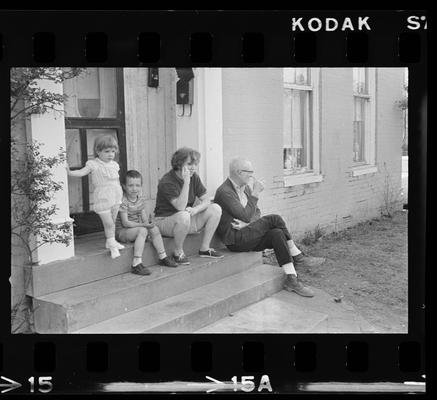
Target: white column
x=211, y=127
x=203, y=129
x=49, y=130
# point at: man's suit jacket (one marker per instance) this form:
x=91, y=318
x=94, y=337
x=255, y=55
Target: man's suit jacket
x=227, y=198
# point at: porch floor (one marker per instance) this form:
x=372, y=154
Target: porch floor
x=92, y=243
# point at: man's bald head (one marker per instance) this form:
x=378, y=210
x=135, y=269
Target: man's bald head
x=238, y=170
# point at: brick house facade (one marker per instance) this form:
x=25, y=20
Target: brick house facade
x=241, y=112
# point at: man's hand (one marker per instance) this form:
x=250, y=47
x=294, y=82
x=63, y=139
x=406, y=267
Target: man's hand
x=258, y=186
x=191, y=210
x=237, y=224
x=185, y=174
x=149, y=225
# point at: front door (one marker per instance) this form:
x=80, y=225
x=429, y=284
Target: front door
x=95, y=106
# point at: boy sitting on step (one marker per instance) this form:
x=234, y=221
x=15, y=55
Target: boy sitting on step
x=132, y=224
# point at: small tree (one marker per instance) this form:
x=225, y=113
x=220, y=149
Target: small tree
x=391, y=197
x=28, y=98
x=32, y=187
x=32, y=184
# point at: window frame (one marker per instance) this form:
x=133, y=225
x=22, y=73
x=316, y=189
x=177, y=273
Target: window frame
x=367, y=166
x=293, y=179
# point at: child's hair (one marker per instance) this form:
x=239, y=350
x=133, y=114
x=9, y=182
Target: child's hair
x=103, y=142
x=132, y=173
x=180, y=156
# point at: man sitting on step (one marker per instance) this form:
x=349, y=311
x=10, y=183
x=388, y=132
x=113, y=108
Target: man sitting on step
x=242, y=228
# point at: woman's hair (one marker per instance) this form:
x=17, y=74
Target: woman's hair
x=103, y=142
x=181, y=156
x=133, y=173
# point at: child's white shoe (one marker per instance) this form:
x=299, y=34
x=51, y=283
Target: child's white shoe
x=114, y=252
x=115, y=244
x=119, y=245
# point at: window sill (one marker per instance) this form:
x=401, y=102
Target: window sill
x=364, y=170
x=303, y=179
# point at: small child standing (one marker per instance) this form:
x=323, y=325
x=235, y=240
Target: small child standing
x=133, y=226
x=107, y=190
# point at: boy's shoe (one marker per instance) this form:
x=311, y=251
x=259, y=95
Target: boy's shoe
x=210, y=253
x=168, y=262
x=140, y=269
x=181, y=259
x=292, y=284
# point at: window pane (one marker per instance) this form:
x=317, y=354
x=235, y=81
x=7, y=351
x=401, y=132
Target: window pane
x=298, y=76
x=359, y=129
x=297, y=145
x=92, y=94
x=302, y=76
x=360, y=80
x=74, y=159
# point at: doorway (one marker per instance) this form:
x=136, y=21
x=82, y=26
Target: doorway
x=95, y=106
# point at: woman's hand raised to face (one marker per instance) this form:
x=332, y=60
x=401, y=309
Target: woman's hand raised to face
x=185, y=174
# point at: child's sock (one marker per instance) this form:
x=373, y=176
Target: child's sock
x=136, y=261
x=114, y=252
x=162, y=255
x=119, y=245
x=111, y=242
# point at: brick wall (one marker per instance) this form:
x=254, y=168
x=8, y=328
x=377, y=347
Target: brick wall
x=252, y=127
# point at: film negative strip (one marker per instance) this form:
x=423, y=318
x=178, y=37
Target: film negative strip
x=304, y=272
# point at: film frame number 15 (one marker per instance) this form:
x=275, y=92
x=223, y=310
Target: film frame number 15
x=44, y=384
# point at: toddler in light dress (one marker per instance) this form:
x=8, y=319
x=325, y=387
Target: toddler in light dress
x=108, y=193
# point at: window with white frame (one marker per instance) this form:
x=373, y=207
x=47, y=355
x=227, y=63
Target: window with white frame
x=300, y=125
x=363, y=150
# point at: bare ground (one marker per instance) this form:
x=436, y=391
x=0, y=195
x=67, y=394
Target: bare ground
x=366, y=265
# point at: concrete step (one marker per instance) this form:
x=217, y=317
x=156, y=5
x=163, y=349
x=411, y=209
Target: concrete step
x=279, y=313
x=199, y=307
x=71, y=309
x=93, y=262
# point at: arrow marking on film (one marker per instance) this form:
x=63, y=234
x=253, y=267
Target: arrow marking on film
x=217, y=384
x=11, y=385
x=215, y=381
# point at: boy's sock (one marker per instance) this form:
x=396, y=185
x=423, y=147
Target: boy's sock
x=162, y=255
x=136, y=261
x=294, y=251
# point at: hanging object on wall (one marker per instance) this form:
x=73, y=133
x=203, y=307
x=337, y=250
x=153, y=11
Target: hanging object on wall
x=153, y=77
x=185, y=88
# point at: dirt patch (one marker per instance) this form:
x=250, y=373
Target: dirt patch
x=366, y=265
